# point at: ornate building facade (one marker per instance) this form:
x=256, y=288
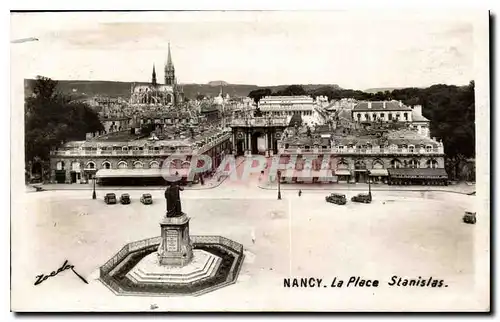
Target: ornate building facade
x=305, y=106
x=126, y=158
x=356, y=158
x=391, y=111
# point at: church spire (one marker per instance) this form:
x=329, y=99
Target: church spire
x=169, y=57
x=153, y=79
x=169, y=69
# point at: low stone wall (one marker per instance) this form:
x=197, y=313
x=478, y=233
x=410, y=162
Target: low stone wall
x=155, y=241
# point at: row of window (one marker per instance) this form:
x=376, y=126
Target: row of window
x=282, y=113
x=411, y=148
x=382, y=116
x=75, y=166
x=394, y=164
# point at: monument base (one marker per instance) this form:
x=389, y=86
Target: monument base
x=204, y=265
x=175, y=247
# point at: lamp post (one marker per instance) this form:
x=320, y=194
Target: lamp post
x=369, y=184
x=279, y=185
x=93, y=173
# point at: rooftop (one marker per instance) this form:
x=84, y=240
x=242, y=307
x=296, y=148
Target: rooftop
x=381, y=106
x=169, y=137
x=287, y=97
x=417, y=117
x=398, y=137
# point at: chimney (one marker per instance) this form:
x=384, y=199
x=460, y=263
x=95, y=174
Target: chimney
x=369, y=104
x=384, y=103
x=400, y=104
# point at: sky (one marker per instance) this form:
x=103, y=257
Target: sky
x=357, y=50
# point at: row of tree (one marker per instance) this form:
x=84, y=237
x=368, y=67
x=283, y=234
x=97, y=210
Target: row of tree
x=51, y=119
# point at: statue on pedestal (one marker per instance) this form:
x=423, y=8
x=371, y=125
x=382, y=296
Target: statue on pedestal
x=173, y=198
x=175, y=246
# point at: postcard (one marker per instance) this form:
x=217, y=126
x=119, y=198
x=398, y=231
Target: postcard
x=250, y=161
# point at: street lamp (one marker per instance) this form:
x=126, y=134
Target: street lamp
x=279, y=186
x=92, y=172
x=369, y=184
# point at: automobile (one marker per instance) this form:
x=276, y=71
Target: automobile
x=362, y=197
x=147, y=199
x=110, y=198
x=125, y=199
x=469, y=217
x=336, y=198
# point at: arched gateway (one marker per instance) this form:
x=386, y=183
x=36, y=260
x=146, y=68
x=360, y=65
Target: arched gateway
x=257, y=135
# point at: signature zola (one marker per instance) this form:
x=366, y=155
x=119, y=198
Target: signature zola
x=65, y=266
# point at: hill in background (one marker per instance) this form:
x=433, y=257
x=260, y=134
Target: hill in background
x=381, y=89
x=82, y=88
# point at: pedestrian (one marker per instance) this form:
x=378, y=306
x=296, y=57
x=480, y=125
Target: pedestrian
x=300, y=193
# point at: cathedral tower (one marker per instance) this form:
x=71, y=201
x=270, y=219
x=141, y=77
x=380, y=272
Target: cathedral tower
x=153, y=78
x=169, y=69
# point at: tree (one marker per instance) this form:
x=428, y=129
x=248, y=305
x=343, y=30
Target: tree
x=200, y=97
x=257, y=94
x=292, y=90
x=52, y=119
x=147, y=128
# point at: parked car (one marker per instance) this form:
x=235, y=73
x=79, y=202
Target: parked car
x=110, y=198
x=147, y=199
x=336, y=198
x=125, y=199
x=469, y=217
x=362, y=197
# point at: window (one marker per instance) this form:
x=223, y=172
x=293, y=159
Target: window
x=138, y=165
x=122, y=165
x=342, y=165
x=378, y=164
x=414, y=164
x=75, y=166
x=60, y=165
x=406, y=116
x=428, y=148
x=411, y=149
x=395, y=164
x=390, y=117
x=106, y=165
x=382, y=115
x=90, y=165
x=154, y=165
x=432, y=164
x=360, y=165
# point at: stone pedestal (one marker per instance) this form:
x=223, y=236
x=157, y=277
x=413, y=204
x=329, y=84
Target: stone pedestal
x=175, y=247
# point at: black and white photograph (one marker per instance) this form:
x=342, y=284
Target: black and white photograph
x=250, y=161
